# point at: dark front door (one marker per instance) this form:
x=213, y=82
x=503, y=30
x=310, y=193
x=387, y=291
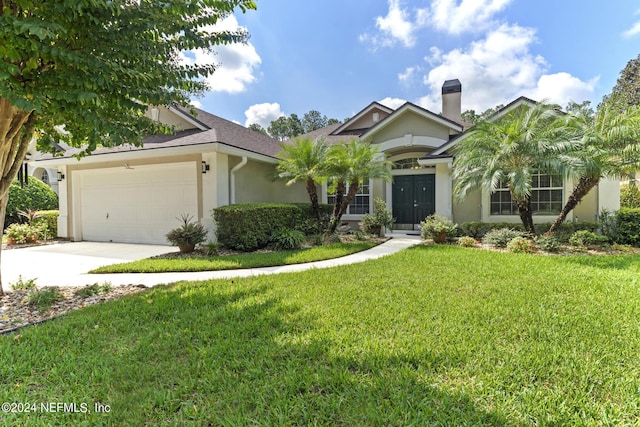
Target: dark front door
x=414, y=198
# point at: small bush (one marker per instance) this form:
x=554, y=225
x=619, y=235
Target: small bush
x=499, y=238
x=188, y=234
x=212, y=248
x=628, y=231
x=35, y=195
x=23, y=285
x=438, y=228
x=48, y=222
x=23, y=233
x=587, y=238
x=380, y=219
x=629, y=196
x=475, y=229
x=467, y=242
x=548, y=243
x=285, y=239
x=44, y=298
x=608, y=224
x=93, y=290
x=521, y=245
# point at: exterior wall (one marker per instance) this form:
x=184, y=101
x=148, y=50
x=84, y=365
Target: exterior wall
x=587, y=209
x=168, y=117
x=470, y=209
x=414, y=124
x=366, y=121
x=443, y=190
x=255, y=183
x=608, y=195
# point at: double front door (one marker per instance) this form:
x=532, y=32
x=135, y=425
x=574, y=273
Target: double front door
x=414, y=198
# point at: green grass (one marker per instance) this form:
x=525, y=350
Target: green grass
x=434, y=335
x=234, y=262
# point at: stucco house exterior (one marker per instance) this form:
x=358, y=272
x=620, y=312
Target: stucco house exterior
x=419, y=142
x=134, y=194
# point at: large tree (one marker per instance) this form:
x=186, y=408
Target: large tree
x=627, y=87
x=313, y=120
x=509, y=151
x=607, y=147
x=85, y=72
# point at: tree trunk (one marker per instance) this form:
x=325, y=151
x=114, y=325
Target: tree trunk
x=585, y=184
x=16, y=131
x=526, y=216
x=313, y=196
x=341, y=188
x=346, y=201
x=3, y=212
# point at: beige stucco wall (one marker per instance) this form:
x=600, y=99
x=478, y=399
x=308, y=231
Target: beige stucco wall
x=587, y=209
x=255, y=183
x=366, y=121
x=469, y=209
x=414, y=124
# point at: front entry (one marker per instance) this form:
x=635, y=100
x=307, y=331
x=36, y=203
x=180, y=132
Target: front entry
x=414, y=198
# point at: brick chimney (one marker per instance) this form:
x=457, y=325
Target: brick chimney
x=452, y=100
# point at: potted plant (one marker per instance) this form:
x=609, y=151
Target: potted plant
x=377, y=222
x=437, y=228
x=188, y=235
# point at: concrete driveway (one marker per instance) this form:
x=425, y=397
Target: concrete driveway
x=66, y=264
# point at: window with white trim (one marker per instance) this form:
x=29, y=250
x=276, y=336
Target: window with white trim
x=360, y=203
x=546, y=196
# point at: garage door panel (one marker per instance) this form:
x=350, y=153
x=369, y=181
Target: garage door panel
x=137, y=205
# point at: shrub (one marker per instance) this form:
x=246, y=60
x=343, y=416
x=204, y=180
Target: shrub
x=23, y=285
x=48, y=222
x=249, y=226
x=35, y=195
x=23, y=233
x=285, y=239
x=188, y=235
x=548, y=243
x=438, y=228
x=628, y=231
x=500, y=237
x=588, y=238
x=629, y=196
x=475, y=229
x=93, y=290
x=521, y=245
x=608, y=224
x=467, y=242
x=44, y=298
x=380, y=219
x=212, y=248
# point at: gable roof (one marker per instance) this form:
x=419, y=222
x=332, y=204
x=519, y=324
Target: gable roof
x=408, y=106
x=362, y=113
x=523, y=100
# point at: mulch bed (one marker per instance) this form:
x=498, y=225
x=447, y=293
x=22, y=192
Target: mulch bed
x=16, y=312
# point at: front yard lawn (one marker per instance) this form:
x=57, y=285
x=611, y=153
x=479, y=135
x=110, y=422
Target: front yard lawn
x=234, y=262
x=432, y=335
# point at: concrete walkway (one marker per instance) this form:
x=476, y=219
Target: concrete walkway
x=66, y=264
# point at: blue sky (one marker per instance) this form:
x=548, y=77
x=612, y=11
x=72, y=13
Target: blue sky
x=337, y=56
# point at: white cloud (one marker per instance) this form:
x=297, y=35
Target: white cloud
x=409, y=74
x=497, y=69
x=236, y=63
x=196, y=103
x=263, y=114
x=467, y=16
x=393, y=103
x=399, y=25
x=633, y=31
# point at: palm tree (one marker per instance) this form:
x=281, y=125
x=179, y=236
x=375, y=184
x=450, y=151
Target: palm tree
x=350, y=164
x=304, y=160
x=609, y=146
x=508, y=151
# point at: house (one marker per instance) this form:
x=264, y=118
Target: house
x=419, y=142
x=135, y=194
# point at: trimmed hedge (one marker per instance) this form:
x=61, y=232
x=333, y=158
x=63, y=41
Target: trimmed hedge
x=629, y=196
x=249, y=226
x=50, y=219
x=36, y=195
x=628, y=232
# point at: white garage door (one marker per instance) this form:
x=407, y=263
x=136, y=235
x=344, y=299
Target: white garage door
x=138, y=204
